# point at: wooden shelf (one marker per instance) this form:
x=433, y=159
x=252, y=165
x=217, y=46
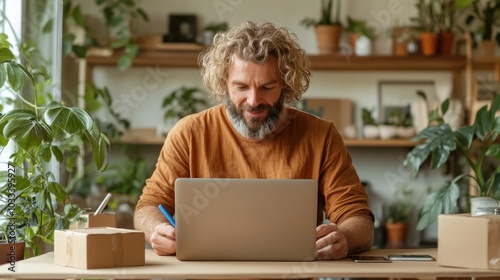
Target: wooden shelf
x=318, y=62
x=147, y=136
x=390, y=143
x=387, y=63
x=142, y=136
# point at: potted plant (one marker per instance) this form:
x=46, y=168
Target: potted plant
x=427, y=23
x=328, y=31
x=488, y=15
x=33, y=199
x=360, y=36
x=405, y=127
x=388, y=129
x=118, y=16
x=477, y=142
x=179, y=103
x=446, y=20
x=213, y=28
x=370, y=127
x=396, y=218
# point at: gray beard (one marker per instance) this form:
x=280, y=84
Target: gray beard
x=236, y=118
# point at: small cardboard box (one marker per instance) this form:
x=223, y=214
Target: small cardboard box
x=470, y=242
x=99, y=220
x=338, y=111
x=99, y=247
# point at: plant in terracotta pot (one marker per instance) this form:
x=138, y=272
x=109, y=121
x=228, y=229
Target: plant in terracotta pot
x=477, y=143
x=328, y=30
x=360, y=36
x=485, y=17
x=427, y=23
x=446, y=35
x=35, y=135
x=396, y=218
x=370, y=127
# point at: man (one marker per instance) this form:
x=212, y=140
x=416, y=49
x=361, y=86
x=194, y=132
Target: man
x=256, y=70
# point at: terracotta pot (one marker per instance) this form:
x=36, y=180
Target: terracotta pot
x=428, y=43
x=8, y=254
x=401, y=49
x=487, y=47
x=352, y=38
x=328, y=38
x=446, y=40
x=396, y=234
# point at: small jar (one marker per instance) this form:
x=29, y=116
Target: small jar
x=488, y=211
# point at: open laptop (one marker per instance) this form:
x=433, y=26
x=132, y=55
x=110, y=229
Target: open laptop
x=246, y=219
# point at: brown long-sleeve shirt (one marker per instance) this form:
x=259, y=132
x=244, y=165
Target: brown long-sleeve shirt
x=205, y=145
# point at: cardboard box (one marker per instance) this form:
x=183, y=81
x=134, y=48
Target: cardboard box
x=338, y=111
x=99, y=247
x=99, y=220
x=471, y=242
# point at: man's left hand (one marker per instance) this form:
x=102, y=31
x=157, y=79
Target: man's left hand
x=330, y=242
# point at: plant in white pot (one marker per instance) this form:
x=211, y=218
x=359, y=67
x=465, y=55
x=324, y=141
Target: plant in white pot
x=41, y=131
x=478, y=144
x=360, y=36
x=370, y=127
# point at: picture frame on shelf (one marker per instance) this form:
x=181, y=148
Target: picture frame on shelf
x=182, y=28
x=399, y=94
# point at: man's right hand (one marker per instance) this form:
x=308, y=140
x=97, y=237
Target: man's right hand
x=163, y=240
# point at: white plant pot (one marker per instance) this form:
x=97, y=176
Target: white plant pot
x=350, y=131
x=387, y=131
x=370, y=131
x=480, y=202
x=363, y=46
x=405, y=132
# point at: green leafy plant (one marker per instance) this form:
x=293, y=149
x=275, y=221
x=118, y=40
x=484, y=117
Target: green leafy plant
x=128, y=177
x=487, y=13
x=447, y=16
x=41, y=132
x=399, y=210
x=360, y=27
x=216, y=27
x=477, y=143
x=183, y=101
x=119, y=15
x=326, y=15
x=367, y=116
x=428, y=16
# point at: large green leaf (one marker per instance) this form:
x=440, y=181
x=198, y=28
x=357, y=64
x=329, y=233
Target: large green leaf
x=58, y=191
x=439, y=140
x=15, y=75
x=28, y=133
x=482, y=123
x=70, y=119
x=6, y=55
x=443, y=201
x=494, y=150
x=464, y=136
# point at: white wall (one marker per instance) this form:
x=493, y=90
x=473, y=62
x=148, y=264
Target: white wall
x=382, y=167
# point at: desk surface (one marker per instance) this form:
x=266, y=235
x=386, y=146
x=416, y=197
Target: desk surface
x=42, y=267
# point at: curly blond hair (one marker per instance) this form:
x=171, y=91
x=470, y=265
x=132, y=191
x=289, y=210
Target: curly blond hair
x=256, y=43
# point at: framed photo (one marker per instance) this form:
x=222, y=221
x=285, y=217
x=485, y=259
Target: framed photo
x=486, y=90
x=182, y=28
x=395, y=97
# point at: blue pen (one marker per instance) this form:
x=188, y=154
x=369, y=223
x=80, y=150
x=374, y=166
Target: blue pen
x=167, y=215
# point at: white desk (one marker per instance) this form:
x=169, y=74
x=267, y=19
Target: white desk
x=169, y=267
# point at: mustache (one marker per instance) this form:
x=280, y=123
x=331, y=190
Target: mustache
x=259, y=108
